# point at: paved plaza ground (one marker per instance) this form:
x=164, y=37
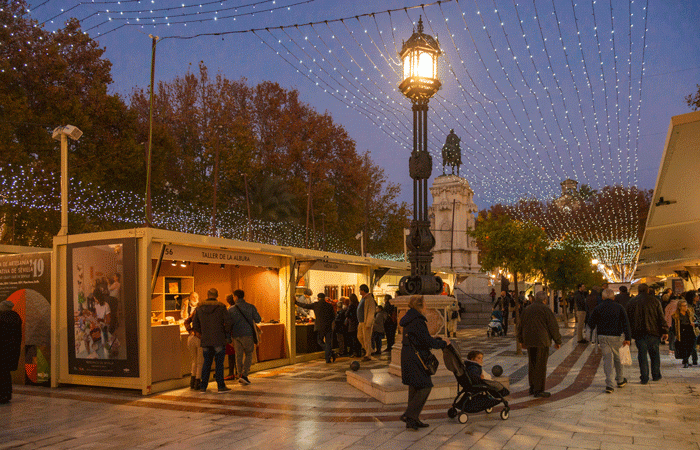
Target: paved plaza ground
x=310, y=406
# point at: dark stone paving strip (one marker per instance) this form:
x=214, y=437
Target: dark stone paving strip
x=383, y=414
x=559, y=373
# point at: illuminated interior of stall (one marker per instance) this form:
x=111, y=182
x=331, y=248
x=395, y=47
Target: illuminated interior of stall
x=177, y=279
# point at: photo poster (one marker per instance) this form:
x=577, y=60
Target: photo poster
x=102, y=308
x=25, y=280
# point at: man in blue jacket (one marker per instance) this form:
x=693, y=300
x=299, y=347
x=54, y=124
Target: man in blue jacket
x=244, y=316
x=610, y=320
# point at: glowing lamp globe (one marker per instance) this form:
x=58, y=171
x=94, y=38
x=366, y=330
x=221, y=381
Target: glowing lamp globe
x=419, y=55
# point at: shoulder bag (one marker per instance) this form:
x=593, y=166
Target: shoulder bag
x=430, y=363
x=257, y=332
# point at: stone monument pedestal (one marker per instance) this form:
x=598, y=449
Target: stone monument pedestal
x=385, y=384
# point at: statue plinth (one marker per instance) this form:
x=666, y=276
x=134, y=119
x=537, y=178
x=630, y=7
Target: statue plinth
x=436, y=313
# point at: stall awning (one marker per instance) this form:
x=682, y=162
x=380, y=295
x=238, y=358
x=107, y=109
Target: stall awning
x=672, y=237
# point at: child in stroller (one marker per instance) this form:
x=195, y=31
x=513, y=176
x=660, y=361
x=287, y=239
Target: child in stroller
x=495, y=327
x=474, y=394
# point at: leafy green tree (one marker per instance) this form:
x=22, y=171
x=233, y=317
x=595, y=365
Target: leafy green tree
x=568, y=264
x=514, y=246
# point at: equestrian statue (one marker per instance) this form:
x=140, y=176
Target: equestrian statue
x=451, y=153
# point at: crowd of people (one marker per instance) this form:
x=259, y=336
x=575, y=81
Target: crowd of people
x=213, y=328
x=609, y=320
x=358, y=325
x=612, y=320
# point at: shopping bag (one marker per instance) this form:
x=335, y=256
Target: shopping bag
x=625, y=355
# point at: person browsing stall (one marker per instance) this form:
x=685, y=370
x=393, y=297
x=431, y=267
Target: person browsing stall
x=325, y=314
x=243, y=316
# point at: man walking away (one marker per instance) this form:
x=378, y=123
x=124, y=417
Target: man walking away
x=537, y=328
x=623, y=298
x=323, y=309
x=610, y=321
x=648, y=328
x=243, y=316
x=213, y=324
x=580, y=302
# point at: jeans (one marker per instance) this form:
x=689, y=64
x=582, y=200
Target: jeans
x=216, y=354
x=325, y=341
x=648, y=344
x=611, y=356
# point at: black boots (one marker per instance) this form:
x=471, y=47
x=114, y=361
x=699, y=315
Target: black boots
x=197, y=384
x=192, y=382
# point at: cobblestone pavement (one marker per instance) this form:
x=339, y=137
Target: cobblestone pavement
x=310, y=405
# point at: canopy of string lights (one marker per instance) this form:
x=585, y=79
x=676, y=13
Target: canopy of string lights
x=539, y=92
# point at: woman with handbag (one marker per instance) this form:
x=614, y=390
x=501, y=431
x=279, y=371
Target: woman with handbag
x=683, y=328
x=416, y=365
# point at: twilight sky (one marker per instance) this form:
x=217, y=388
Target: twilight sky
x=538, y=92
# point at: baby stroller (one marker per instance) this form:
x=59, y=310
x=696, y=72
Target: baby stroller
x=472, y=395
x=495, y=327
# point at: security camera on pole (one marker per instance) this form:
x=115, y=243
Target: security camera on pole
x=62, y=134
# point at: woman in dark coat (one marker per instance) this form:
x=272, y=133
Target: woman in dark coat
x=352, y=322
x=413, y=374
x=10, y=347
x=683, y=327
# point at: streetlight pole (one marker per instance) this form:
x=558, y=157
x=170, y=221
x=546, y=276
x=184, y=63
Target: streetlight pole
x=149, y=212
x=419, y=55
x=62, y=134
x=216, y=180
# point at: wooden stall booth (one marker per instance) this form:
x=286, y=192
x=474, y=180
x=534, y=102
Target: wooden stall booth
x=117, y=318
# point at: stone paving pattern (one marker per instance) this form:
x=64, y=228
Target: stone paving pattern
x=310, y=405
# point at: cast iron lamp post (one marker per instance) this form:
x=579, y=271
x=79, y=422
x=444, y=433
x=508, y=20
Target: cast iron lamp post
x=420, y=55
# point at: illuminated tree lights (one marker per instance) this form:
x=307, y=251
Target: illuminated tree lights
x=31, y=189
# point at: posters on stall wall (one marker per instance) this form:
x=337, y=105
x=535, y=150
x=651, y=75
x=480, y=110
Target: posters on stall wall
x=102, y=308
x=25, y=280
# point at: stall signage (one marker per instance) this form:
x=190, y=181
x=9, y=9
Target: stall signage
x=218, y=256
x=336, y=267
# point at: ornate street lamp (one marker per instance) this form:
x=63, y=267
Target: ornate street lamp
x=420, y=55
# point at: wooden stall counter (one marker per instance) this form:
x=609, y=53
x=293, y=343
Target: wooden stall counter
x=272, y=342
x=165, y=354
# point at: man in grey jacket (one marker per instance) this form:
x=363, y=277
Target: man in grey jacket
x=244, y=316
x=213, y=325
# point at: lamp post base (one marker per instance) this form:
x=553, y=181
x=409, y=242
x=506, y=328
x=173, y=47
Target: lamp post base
x=420, y=285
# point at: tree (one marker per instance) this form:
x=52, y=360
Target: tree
x=567, y=265
x=693, y=100
x=514, y=246
x=267, y=132
x=48, y=80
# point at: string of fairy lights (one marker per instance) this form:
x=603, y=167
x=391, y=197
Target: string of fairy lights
x=535, y=90
x=28, y=188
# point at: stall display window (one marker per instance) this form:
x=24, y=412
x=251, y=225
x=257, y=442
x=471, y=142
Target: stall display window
x=331, y=292
x=347, y=290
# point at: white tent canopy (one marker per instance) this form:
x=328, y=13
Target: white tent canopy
x=671, y=240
